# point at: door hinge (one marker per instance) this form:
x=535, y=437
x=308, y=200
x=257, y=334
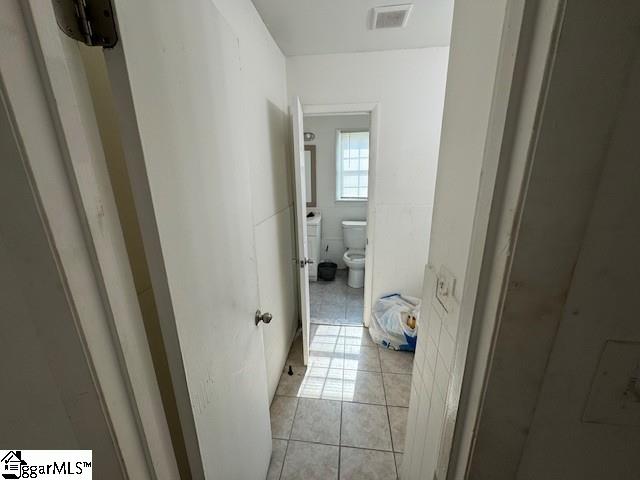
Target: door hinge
x=88, y=21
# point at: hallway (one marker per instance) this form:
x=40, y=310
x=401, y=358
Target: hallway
x=345, y=415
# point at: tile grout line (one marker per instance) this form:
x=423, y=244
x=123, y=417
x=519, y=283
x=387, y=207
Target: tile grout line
x=359, y=323
x=344, y=401
x=294, y=418
x=386, y=409
x=340, y=433
x=286, y=450
x=348, y=369
x=344, y=313
x=340, y=427
x=345, y=446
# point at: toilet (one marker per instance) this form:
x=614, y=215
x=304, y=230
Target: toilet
x=355, y=239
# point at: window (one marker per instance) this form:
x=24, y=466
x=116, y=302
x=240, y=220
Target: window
x=352, y=162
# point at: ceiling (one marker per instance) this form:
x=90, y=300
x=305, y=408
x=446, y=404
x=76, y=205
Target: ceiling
x=306, y=27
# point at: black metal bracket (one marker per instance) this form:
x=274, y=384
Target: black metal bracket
x=88, y=21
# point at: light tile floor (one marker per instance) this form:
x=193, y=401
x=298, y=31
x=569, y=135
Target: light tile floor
x=344, y=416
x=335, y=302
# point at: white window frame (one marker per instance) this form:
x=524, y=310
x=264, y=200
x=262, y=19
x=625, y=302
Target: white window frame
x=338, y=163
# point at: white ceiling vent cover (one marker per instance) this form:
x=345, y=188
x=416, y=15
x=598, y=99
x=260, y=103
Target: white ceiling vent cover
x=392, y=16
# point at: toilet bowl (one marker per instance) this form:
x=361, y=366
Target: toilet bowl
x=355, y=239
x=354, y=260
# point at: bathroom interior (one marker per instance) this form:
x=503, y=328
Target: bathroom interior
x=337, y=174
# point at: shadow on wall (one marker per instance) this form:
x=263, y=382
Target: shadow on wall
x=277, y=121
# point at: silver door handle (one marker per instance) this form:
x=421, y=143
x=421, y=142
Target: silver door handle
x=305, y=261
x=265, y=317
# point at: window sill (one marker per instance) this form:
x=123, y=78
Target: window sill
x=352, y=200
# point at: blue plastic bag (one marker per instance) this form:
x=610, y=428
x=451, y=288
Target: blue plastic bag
x=394, y=322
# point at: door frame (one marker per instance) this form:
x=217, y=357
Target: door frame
x=373, y=110
x=86, y=237
x=528, y=43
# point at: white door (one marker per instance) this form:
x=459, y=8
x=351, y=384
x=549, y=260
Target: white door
x=301, y=221
x=176, y=76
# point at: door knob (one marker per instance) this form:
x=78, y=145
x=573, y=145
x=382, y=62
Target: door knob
x=263, y=317
x=304, y=262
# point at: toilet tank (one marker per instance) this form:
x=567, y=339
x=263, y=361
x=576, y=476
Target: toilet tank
x=355, y=234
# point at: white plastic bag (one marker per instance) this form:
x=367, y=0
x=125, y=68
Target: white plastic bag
x=394, y=322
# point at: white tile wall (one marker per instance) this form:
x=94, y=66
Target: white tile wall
x=420, y=357
x=431, y=377
x=432, y=321
x=446, y=347
x=441, y=376
x=412, y=460
x=432, y=439
x=411, y=423
x=431, y=355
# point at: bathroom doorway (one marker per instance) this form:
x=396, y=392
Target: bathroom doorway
x=342, y=398
x=335, y=156
x=337, y=161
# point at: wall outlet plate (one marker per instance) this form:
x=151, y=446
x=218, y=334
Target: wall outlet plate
x=445, y=283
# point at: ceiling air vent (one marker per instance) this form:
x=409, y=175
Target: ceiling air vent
x=391, y=16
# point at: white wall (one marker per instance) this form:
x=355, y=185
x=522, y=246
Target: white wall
x=333, y=212
x=266, y=127
x=475, y=48
x=409, y=86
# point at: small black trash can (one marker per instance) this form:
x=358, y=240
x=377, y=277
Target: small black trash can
x=327, y=271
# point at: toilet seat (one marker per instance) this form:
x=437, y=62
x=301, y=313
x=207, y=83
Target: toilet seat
x=354, y=258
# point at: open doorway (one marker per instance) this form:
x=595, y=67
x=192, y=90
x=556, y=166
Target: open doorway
x=341, y=396
x=337, y=174
x=335, y=150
